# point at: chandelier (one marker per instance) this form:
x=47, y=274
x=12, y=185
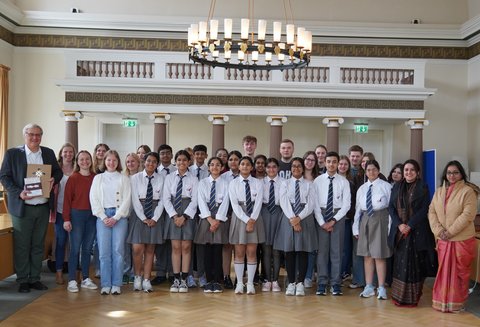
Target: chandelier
x=250, y=50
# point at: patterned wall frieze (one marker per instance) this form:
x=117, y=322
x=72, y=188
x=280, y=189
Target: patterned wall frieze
x=247, y=101
x=6, y=35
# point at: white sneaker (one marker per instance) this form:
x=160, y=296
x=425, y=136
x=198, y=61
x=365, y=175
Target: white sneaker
x=276, y=287
x=72, y=286
x=266, y=287
x=183, y=288
x=105, y=290
x=88, y=284
x=299, y=289
x=147, y=286
x=381, y=293
x=250, y=289
x=368, y=291
x=137, y=283
x=239, y=288
x=308, y=283
x=175, y=286
x=116, y=290
x=290, y=289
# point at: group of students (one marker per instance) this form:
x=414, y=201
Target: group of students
x=335, y=213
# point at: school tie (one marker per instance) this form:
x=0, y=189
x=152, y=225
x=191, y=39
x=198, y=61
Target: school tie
x=198, y=173
x=211, y=202
x=234, y=176
x=296, y=204
x=369, y=201
x=271, y=197
x=248, y=198
x=329, y=208
x=177, y=204
x=148, y=208
x=167, y=170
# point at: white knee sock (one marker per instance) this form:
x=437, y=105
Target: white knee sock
x=251, y=267
x=239, y=267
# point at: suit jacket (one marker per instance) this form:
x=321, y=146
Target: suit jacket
x=14, y=170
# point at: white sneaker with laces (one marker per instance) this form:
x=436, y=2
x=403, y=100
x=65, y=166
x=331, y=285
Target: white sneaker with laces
x=382, y=293
x=290, y=289
x=276, y=287
x=105, y=290
x=266, y=287
x=137, y=283
x=308, y=283
x=116, y=290
x=88, y=284
x=250, y=289
x=239, y=288
x=175, y=286
x=183, y=288
x=368, y=291
x=299, y=289
x=72, y=286
x=147, y=286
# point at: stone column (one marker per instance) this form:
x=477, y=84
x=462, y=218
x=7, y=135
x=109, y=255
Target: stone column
x=276, y=124
x=333, y=125
x=416, y=139
x=218, y=132
x=71, y=126
x=160, y=129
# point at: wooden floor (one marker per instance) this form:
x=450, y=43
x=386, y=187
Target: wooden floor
x=161, y=308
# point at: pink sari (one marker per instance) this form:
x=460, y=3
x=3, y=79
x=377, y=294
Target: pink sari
x=450, y=290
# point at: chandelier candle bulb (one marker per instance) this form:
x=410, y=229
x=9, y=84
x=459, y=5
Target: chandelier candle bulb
x=228, y=28
x=213, y=29
x=228, y=55
x=300, y=37
x=244, y=30
x=308, y=41
x=255, y=56
x=290, y=33
x=215, y=54
x=202, y=32
x=268, y=56
x=194, y=28
x=277, y=31
x=262, y=29
x=241, y=55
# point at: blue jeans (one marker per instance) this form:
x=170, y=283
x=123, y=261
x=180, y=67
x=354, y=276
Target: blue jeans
x=81, y=240
x=347, y=248
x=61, y=238
x=111, y=247
x=312, y=261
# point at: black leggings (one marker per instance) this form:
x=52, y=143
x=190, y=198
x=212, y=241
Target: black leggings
x=213, y=262
x=290, y=262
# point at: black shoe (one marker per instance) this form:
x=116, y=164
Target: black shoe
x=227, y=283
x=38, y=286
x=24, y=288
x=158, y=280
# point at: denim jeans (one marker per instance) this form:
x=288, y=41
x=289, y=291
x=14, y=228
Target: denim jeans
x=81, y=240
x=312, y=262
x=61, y=239
x=111, y=247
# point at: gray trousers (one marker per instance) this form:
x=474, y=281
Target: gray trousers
x=329, y=257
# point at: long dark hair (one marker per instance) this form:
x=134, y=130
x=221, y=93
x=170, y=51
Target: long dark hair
x=398, y=165
x=460, y=168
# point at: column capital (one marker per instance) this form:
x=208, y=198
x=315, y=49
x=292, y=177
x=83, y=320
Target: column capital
x=417, y=123
x=333, y=121
x=218, y=119
x=159, y=117
x=276, y=120
x=71, y=115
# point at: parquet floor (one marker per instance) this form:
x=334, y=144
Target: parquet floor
x=161, y=308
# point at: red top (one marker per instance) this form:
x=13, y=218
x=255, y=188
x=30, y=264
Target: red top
x=77, y=193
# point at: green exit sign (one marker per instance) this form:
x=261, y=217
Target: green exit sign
x=361, y=129
x=130, y=123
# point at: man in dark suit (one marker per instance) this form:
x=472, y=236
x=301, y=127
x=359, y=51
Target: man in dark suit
x=29, y=214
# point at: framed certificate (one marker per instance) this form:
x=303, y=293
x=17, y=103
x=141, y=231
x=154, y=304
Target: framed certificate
x=44, y=172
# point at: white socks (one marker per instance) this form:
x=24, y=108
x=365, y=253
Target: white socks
x=239, y=267
x=251, y=267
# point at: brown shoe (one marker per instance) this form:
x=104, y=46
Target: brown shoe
x=59, y=278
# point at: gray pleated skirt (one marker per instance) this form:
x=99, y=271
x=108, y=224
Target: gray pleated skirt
x=287, y=240
x=271, y=223
x=140, y=233
x=184, y=233
x=238, y=233
x=373, y=235
x=203, y=235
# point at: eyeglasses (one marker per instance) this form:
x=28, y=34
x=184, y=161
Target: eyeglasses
x=33, y=135
x=453, y=173
x=309, y=159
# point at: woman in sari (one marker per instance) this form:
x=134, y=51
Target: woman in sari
x=410, y=236
x=451, y=216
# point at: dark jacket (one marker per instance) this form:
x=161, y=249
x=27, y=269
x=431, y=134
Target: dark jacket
x=14, y=170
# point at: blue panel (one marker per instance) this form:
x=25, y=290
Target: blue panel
x=430, y=170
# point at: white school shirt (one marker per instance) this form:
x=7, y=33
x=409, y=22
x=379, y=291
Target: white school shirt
x=381, y=191
x=341, y=196
x=161, y=170
x=228, y=176
x=287, y=197
x=236, y=192
x=203, y=171
x=189, y=190
x=221, y=197
x=276, y=186
x=139, y=191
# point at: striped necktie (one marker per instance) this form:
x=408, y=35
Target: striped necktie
x=271, y=197
x=329, y=208
x=148, y=207
x=296, y=205
x=369, y=201
x=177, y=204
x=211, y=202
x=167, y=170
x=198, y=173
x=248, y=198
